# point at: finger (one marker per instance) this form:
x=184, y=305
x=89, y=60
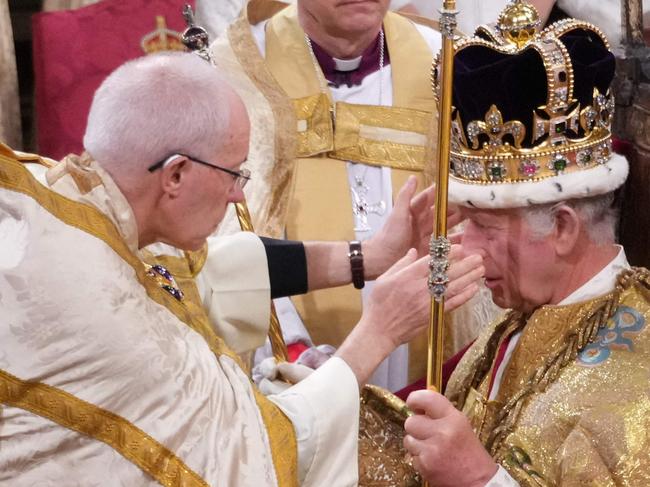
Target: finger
x=456, y=238
x=457, y=252
x=464, y=266
x=424, y=201
x=268, y=387
x=405, y=261
x=461, y=298
x=294, y=373
x=267, y=368
x=419, y=269
x=412, y=445
x=419, y=426
x=406, y=193
x=419, y=465
x=454, y=216
x=433, y=404
x=457, y=284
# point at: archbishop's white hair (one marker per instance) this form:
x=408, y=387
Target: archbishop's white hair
x=154, y=106
x=597, y=214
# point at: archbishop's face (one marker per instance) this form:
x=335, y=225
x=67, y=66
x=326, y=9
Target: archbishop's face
x=342, y=18
x=519, y=266
x=202, y=205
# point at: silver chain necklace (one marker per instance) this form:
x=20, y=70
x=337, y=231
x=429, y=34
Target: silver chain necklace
x=361, y=207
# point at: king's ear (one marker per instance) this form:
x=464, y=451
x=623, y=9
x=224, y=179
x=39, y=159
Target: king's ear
x=567, y=230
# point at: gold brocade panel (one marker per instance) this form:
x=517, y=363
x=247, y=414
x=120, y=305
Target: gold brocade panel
x=381, y=136
x=315, y=133
x=574, y=403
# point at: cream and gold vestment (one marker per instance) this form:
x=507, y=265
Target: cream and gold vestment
x=106, y=378
x=573, y=404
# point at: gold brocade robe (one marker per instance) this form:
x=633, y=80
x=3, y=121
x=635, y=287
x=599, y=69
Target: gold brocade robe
x=303, y=153
x=573, y=407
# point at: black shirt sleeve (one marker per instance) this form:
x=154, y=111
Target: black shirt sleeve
x=287, y=266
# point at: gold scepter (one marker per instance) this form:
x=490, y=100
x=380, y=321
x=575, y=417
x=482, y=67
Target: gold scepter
x=440, y=246
x=196, y=39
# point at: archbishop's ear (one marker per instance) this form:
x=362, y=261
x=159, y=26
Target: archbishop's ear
x=567, y=230
x=173, y=176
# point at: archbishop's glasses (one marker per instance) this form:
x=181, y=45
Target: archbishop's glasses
x=241, y=177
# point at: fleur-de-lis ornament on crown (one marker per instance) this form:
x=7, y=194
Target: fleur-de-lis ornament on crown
x=495, y=129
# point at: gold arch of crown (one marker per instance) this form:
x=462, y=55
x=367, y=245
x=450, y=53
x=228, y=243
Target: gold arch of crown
x=557, y=148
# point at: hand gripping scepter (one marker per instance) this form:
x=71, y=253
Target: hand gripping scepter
x=196, y=39
x=440, y=245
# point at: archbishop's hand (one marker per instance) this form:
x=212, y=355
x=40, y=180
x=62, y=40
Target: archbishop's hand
x=409, y=225
x=398, y=307
x=273, y=377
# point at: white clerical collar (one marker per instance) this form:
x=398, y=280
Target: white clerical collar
x=601, y=283
x=347, y=64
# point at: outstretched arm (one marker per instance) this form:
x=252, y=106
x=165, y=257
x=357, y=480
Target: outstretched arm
x=399, y=305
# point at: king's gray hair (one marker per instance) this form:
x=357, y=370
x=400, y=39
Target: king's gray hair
x=596, y=213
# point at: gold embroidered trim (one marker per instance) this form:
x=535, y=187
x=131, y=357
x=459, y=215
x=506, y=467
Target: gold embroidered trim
x=186, y=267
x=13, y=176
x=357, y=136
x=282, y=439
x=125, y=438
x=254, y=67
x=376, y=135
x=5, y=150
x=315, y=133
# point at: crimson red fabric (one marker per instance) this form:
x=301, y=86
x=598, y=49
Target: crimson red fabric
x=74, y=50
x=447, y=369
x=500, y=355
x=294, y=350
x=622, y=147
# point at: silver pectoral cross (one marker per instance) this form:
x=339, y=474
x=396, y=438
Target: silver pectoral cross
x=361, y=207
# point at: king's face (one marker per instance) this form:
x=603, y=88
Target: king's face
x=520, y=266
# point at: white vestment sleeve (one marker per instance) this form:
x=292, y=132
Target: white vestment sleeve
x=324, y=410
x=502, y=479
x=236, y=291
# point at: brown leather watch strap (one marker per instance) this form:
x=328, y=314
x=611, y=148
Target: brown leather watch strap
x=356, y=264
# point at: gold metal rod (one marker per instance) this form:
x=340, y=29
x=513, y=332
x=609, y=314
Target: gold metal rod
x=436, y=339
x=278, y=346
x=436, y=323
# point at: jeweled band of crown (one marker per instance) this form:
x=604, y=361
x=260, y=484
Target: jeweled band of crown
x=562, y=135
x=498, y=160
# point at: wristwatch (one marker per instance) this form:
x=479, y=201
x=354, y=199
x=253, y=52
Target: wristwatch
x=356, y=264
